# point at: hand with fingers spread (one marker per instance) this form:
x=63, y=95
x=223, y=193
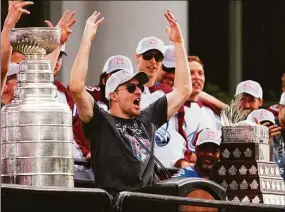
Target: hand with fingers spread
x=15, y=11
x=91, y=25
x=65, y=23
x=173, y=31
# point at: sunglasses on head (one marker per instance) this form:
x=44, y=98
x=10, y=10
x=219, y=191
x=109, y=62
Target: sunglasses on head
x=168, y=70
x=131, y=87
x=149, y=55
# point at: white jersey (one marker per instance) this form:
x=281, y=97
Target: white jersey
x=169, y=144
x=199, y=117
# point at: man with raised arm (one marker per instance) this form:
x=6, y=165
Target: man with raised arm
x=120, y=161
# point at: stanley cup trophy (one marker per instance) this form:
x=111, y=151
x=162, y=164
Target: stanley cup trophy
x=36, y=131
x=245, y=169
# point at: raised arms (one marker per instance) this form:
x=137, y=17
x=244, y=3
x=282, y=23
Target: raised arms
x=83, y=100
x=182, y=83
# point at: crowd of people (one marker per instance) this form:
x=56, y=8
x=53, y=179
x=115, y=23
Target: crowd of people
x=139, y=121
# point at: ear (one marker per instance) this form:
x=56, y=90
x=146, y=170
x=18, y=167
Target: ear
x=114, y=97
x=5, y=89
x=137, y=58
x=260, y=102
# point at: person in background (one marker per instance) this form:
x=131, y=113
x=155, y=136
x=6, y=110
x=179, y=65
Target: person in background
x=261, y=116
x=10, y=84
x=275, y=108
x=279, y=141
x=199, y=114
x=15, y=11
x=207, y=153
x=166, y=73
x=252, y=99
x=252, y=94
x=170, y=139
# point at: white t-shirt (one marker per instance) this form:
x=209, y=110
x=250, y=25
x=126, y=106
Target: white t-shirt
x=198, y=117
x=169, y=144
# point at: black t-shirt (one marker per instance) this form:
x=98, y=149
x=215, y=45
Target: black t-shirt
x=119, y=162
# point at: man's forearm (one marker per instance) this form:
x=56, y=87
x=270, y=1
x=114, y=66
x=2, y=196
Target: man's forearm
x=53, y=57
x=6, y=51
x=182, y=81
x=80, y=68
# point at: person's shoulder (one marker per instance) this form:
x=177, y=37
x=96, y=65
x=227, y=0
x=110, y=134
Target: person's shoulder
x=274, y=109
x=213, y=108
x=165, y=88
x=96, y=92
x=188, y=171
x=60, y=86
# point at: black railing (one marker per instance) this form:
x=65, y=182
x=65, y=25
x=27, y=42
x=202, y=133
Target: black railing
x=125, y=200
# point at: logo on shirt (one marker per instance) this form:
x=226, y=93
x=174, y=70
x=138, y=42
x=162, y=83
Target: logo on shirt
x=162, y=136
x=138, y=150
x=191, y=141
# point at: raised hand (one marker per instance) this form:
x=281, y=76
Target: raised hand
x=65, y=23
x=15, y=11
x=173, y=31
x=91, y=26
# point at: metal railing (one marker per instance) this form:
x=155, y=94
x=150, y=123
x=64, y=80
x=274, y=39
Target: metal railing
x=147, y=198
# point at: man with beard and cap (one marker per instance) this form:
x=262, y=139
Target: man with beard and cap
x=121, y=139
x=252, y=99
x=207, y=152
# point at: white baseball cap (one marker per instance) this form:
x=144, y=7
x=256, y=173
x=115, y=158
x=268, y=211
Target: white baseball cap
x=122, y=77
x=169, y=60
x=118, y=62
x=209, y=136
x=282, y=99
x=14, y=68
x=250, y=87
x=149, y=43
x=261, y=115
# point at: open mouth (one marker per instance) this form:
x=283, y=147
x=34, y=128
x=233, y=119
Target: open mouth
x=137, y=101
x=196, y=84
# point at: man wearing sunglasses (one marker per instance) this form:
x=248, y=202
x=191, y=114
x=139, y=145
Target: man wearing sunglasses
x=167, y=72
x=112, y=65
x=121, y=140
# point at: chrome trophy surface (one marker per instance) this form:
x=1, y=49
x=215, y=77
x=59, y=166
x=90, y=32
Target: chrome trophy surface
x=36, y=130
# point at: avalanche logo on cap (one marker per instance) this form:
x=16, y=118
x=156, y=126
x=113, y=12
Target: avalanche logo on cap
x=153, y=41
x=118, y=61
x=212, y=135
x=247, y=85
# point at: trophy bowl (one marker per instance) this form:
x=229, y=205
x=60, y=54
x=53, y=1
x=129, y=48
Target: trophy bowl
x=35, y=40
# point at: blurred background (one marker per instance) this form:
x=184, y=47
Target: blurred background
x=236, y=40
